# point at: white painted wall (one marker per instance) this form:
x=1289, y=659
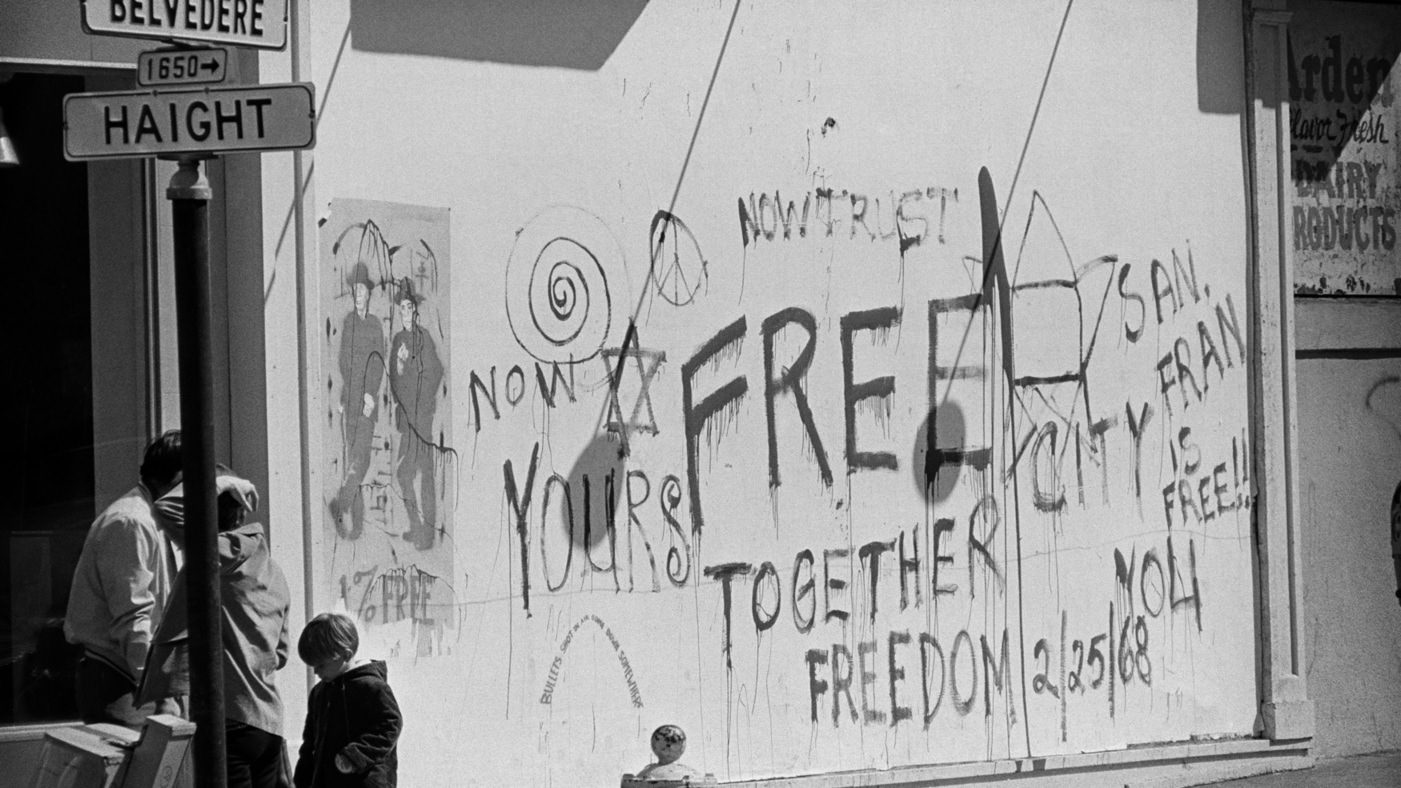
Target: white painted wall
x=586, y=132
x=1350, y=450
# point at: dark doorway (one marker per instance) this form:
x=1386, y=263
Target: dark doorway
x=47, y=400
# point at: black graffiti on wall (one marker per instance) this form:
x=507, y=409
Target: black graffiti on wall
x=1183, y=377
x=552, y=680
x=1200, y=491
x=679, y=269
x=607, y=516
x=938, y=677
x=829, y=587
x=909, y=218
x=1051, y=397
x=829, y=584
x=823, y=591
x=1120, y=655
x=1042, y=443
x=941, y=461
x=642, y=417
x=783, y=383
x=552, y=388
x=560, y=279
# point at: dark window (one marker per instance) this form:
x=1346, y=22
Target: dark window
x=47, y=461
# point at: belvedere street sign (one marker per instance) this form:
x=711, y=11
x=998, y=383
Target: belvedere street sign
x=188, y=122
x=250, y=23
x=182, y=66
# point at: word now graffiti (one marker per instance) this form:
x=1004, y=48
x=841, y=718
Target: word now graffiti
x=516, y=386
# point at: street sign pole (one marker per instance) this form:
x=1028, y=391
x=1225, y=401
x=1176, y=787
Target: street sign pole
x=190, y=125
x=189, y=194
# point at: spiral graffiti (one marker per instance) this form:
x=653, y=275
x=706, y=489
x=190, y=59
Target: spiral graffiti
x=558, y=297
x=562, y=290
x=562, y=298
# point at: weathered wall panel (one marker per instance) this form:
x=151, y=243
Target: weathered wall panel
x=1350, y=438
x=1343, y=123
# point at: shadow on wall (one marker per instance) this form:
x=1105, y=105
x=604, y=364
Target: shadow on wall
x=597, y=486
x=1220, y=64
x=578, y=34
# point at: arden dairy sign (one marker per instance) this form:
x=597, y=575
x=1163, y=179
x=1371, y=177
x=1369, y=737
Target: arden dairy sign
x=1344, y=159
x=183, y=122
x=251, y=23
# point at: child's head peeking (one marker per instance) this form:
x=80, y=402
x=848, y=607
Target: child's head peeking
x=328, y=644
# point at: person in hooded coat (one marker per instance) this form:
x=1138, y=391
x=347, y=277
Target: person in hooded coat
x=353, y=720
x=254, y=602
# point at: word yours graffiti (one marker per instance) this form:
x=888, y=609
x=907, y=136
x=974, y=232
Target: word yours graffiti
x=587, y=510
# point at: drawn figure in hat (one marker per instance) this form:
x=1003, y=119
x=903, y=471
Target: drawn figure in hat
x=415, y=375
x=362, y=371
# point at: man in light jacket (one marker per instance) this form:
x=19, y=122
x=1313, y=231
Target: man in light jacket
x=120, y=589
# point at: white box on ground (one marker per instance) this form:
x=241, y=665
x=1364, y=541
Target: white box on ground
x=79, y=757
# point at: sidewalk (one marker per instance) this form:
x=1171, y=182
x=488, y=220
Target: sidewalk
x=1379, y=770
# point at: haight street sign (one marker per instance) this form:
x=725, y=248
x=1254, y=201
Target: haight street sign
x=182, y=122
x=250, y=23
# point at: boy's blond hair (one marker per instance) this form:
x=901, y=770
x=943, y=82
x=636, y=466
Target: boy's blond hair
x=326, y=637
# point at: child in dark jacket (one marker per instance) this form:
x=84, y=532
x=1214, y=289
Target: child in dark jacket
x=353, y=722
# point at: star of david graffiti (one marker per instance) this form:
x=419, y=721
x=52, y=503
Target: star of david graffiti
x=647, y=363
